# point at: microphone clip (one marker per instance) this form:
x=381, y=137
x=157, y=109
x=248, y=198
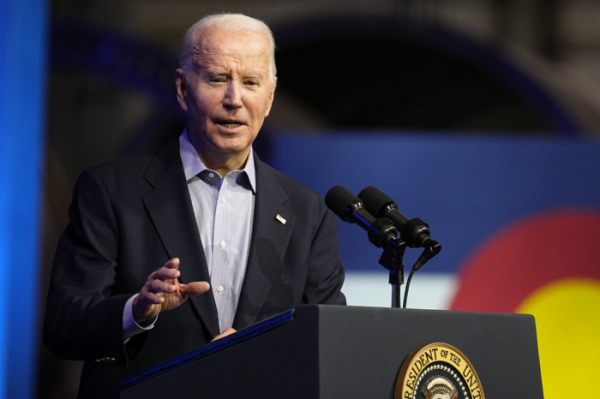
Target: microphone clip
x=432, y=248
x=391, y=259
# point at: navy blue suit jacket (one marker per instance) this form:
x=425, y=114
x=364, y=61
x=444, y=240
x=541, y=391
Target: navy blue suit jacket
x=130, y=216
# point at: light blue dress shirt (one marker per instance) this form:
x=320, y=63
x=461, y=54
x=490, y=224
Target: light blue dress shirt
x=224, y=211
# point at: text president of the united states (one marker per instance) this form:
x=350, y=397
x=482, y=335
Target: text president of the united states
x=167, y=250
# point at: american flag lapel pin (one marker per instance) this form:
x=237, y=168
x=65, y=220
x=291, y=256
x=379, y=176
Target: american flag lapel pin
x=280, y=218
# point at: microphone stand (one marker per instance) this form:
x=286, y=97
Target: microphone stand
x=391, y=259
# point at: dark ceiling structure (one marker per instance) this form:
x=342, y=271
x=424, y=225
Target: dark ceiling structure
x=354, y=73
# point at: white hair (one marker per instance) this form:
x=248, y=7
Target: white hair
x=235, y=22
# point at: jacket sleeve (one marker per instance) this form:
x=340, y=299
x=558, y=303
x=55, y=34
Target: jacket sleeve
x=83, y=320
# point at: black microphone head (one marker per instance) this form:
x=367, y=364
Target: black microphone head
x=342, y=202
x=376, y=202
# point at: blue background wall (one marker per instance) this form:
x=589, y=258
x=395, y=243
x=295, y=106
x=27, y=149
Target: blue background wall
x=22, y=103
x=465, y=188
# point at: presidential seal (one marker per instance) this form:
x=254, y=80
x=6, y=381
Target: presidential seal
x=438, y=371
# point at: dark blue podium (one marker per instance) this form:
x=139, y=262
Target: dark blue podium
x=334, y=352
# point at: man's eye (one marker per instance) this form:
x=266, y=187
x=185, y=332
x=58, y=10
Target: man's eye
x=216, y=78
x=251, y=83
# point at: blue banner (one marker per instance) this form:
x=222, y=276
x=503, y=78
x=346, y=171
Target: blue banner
x=23, y=33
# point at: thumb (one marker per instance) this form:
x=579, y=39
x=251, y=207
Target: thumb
x=195, y=288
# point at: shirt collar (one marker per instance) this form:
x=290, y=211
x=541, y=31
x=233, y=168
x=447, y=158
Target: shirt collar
x=193, y=165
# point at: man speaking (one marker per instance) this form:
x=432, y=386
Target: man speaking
x=169, y=250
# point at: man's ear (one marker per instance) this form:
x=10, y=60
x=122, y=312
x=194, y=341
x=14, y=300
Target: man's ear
x=271, y=97
x=181, y=85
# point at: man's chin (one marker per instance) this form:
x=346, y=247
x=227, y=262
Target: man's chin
x=232, y=147
x=224, y=143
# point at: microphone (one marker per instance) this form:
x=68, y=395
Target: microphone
x=414, y=232
x=350, y=208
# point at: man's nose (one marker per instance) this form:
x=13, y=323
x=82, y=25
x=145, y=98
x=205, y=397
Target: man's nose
x=233, y=95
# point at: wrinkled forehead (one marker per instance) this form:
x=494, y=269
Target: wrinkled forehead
x=215, y=45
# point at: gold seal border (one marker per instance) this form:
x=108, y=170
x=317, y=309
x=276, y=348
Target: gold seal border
x=459, y=362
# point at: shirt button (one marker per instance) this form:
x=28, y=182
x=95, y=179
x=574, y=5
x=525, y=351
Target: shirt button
x=211, y=175
x=222, y=244
x=223, y=200
x=220, y=288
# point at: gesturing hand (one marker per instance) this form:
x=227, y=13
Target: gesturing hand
x=163, y=292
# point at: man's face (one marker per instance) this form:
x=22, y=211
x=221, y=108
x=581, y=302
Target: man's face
x=228, y=95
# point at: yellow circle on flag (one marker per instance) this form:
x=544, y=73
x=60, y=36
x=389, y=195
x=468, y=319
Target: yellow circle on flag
x=567, y=314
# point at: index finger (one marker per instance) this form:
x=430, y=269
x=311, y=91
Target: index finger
x=167, y=271
x=165, y=274
x=172, y=264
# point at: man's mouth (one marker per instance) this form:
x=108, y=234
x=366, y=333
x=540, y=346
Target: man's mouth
x=229, y=124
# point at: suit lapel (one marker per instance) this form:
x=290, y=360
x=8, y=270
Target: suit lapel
x=171, y=210
x=270, y=238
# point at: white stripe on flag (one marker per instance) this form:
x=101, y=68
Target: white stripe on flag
x=427, y=290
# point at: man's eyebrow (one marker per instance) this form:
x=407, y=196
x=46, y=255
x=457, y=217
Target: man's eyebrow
x=253, y=76
x=220, y=73
x=216, y=72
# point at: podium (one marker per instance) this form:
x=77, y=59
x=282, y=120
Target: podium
x=332, y=352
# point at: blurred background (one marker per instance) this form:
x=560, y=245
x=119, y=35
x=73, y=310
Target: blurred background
x=481, y=117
